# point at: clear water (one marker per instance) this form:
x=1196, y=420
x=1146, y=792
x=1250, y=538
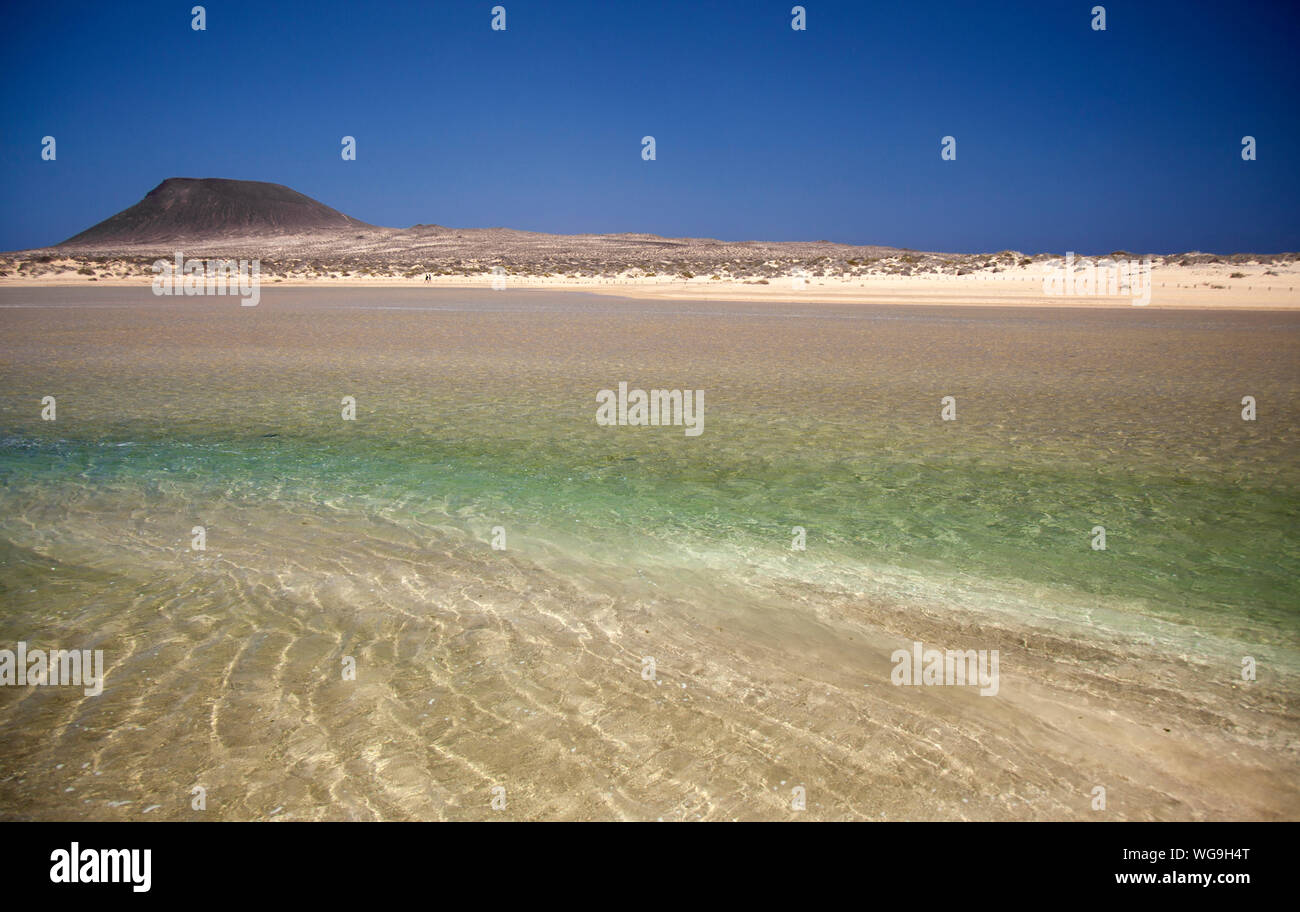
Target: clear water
x=370, y=538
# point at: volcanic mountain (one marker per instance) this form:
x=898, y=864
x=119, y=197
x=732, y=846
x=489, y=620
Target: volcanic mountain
x=210, y=208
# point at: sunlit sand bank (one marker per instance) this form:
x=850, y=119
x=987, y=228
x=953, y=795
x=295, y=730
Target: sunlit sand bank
x=1267, y=284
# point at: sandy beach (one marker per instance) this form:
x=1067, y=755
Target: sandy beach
x=1257, y=286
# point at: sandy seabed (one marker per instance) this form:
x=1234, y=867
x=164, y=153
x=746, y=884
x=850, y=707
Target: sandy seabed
x=525, y=668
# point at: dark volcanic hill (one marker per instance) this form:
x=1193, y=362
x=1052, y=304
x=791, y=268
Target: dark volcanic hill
x=210, y=208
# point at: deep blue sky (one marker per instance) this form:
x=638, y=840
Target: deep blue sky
x=1066, y=138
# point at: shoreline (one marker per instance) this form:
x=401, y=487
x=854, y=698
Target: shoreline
x=683, y=269
x=987, y=291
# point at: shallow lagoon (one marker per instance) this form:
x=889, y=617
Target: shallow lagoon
x=371, y=539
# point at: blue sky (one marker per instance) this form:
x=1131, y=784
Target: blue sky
x=1067, y=138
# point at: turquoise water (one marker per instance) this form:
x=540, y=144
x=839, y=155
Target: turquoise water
x=1221, y=553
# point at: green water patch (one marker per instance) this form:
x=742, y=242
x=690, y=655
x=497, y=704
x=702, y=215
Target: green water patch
x=1214, y=552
